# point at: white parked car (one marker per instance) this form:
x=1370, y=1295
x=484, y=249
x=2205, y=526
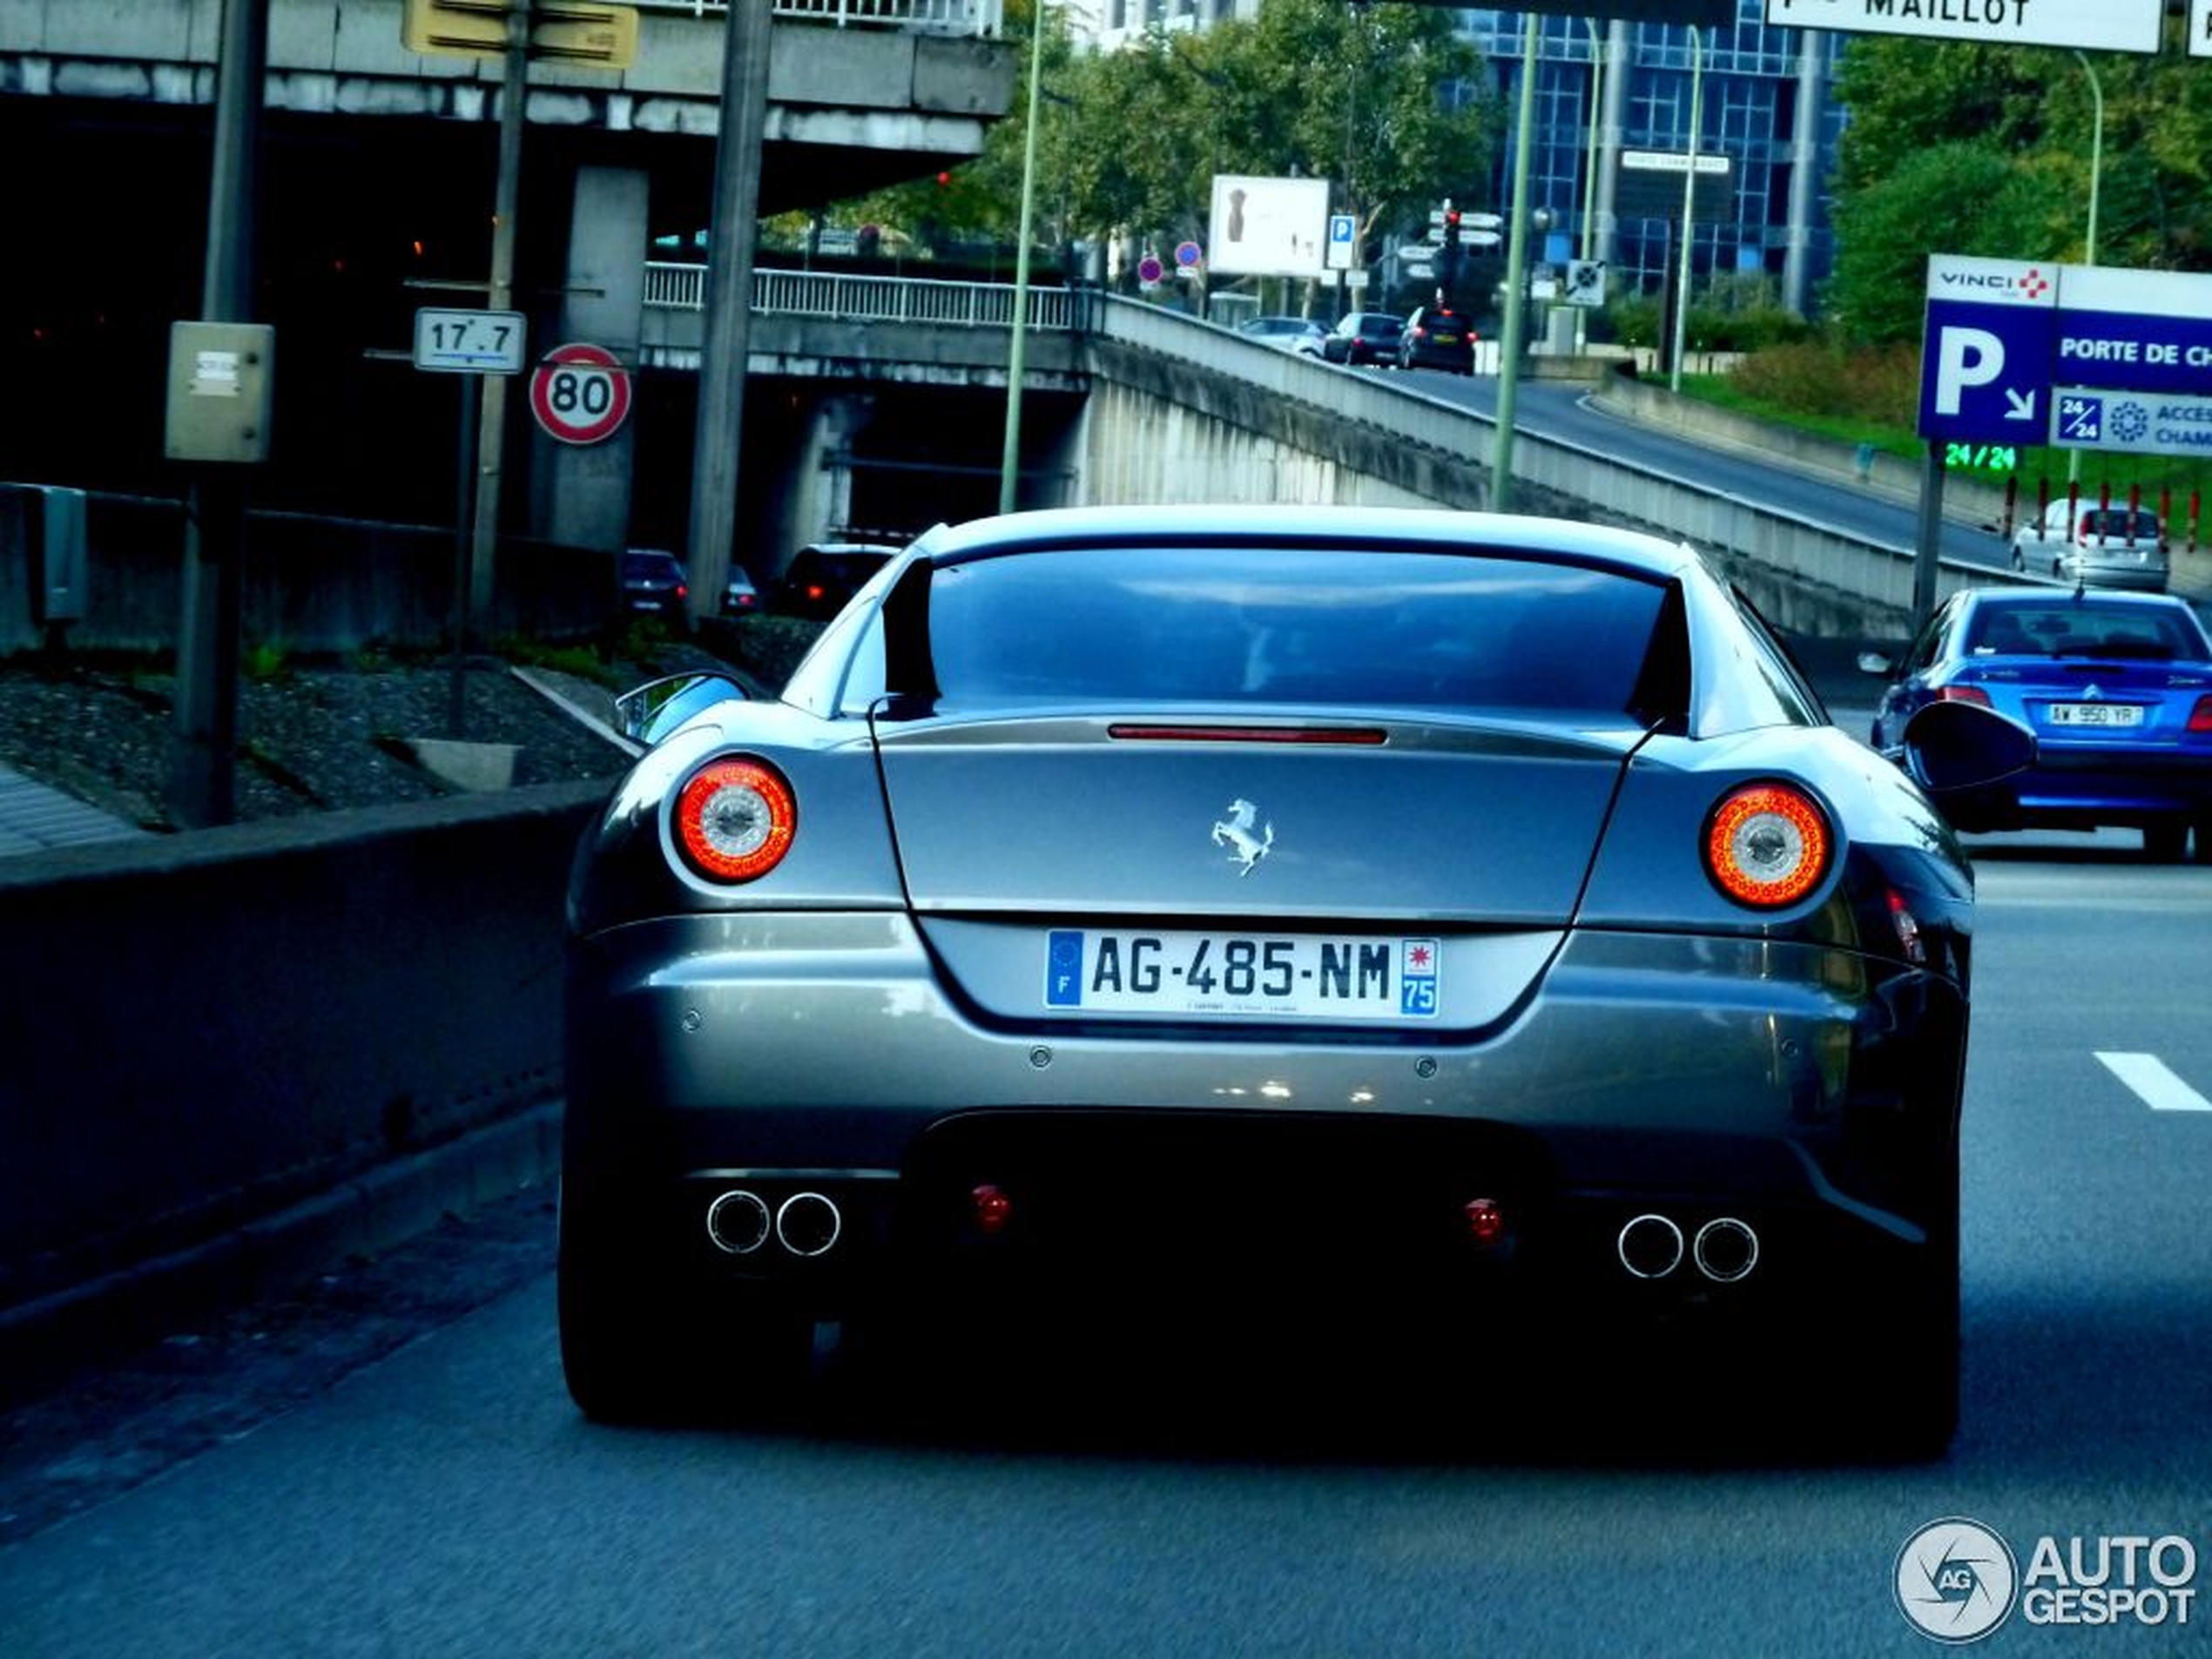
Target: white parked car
x=2097, y=547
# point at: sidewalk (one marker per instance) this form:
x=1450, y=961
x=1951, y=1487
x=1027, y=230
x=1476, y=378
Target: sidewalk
x=34, y=818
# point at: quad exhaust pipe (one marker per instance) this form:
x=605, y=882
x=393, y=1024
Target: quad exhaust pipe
x=739, y=1223
x=1652, y=1246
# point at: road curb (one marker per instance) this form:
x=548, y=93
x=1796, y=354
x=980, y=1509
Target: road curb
x=43, y=1340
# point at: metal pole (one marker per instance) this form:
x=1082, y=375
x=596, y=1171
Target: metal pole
x=1589, y=173
x=1516, y=280
x=1689, y=203
x=204, y=741
x=2097, y=179
x=463, y=543
x=1928, y=546
x=492, y=425
x=718, y=437
x=1017, y=340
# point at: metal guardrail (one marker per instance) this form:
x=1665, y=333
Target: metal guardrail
x=876, y=299
x=1806, y=547
x=984, y=18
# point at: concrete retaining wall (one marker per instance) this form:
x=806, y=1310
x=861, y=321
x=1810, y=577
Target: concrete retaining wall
x=309, y=583
x=202, y=1032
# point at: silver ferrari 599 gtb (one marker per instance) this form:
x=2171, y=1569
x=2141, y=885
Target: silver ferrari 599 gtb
x=1298, y=911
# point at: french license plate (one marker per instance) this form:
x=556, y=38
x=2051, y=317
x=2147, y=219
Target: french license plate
x=1445, y=339
x=1291, y=977
x=2104, y=714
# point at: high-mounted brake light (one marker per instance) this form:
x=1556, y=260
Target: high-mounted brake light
x=1767, y=844
x=735, y=818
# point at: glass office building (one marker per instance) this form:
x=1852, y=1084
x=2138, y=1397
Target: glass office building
x=1763, y=103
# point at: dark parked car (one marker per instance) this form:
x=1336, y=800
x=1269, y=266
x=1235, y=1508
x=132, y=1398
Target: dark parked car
x=822, y=576
x=1436, y=337
x=1369, y=921
x=1364, y=337
x=654, y=584
x=2117, y=688
x=740, y=598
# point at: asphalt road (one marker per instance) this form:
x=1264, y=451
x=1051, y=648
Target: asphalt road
x=390, y=1466
x=1563, y=410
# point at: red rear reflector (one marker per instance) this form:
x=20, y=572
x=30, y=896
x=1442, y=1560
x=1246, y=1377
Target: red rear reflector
x=2201, y=715
x=1248, y=733
x=993, y=1208
x=735, y=818
x=1485, y=1222
x=1767, y=844
x=1972, y=694
x=1908, y=929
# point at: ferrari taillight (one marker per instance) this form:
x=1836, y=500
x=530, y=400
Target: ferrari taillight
x=735, y=817
x=1767, y=844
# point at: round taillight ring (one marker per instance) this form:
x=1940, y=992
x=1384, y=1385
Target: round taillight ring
x=735, y=817
x=1768, y=845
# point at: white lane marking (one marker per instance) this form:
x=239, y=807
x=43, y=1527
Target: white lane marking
x=2160, y=1088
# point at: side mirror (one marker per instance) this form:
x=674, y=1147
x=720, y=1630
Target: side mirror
x=649, y=713
x=1879, y=664
x=1953, y=747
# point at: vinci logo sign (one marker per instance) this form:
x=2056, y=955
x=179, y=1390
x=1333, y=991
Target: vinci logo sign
x=1991, y=281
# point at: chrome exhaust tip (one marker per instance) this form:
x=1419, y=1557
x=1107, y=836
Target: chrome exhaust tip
x=808, y=1223
x=1726, y=1250
x=1650, y=1247
x=738, y=1222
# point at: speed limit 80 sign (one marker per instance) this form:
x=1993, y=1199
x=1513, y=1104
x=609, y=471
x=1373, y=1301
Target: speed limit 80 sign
x=580, y=394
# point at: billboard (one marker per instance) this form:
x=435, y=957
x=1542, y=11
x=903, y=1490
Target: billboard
x=1268, y=226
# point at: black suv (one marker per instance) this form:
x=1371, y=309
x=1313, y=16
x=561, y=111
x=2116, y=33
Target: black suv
x=1436, y=337
x=822, y=576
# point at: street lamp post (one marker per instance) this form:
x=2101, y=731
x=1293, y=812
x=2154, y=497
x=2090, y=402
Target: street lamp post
x=2096, y=180
x=1516, y=267
x=1017, y=341
x=1689, y=206
x=1589, y=172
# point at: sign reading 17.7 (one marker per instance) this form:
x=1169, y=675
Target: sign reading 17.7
x=468, y=342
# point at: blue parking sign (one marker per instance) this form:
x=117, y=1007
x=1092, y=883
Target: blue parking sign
x=1984, y=372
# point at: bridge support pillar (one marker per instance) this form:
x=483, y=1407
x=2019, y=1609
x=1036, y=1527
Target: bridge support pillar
x=580, y=493
x=821, y=496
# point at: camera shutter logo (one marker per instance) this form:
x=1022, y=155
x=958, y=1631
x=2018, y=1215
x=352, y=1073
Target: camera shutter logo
x=1956, y=1580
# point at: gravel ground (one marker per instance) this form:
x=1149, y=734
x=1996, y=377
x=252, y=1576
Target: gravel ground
x=312, y=737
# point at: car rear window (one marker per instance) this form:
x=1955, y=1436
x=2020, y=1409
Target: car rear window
x=2118, y=525
x=1230, y=625
x=2084, y=628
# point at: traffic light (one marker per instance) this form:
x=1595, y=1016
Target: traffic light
x=1452, y=228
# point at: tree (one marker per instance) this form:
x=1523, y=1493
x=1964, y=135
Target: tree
x=1968, y=197
x=2018, y=187
x=1377, y=99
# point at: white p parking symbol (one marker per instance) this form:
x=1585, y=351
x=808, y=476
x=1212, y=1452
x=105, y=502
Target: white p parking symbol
x=1964, y=357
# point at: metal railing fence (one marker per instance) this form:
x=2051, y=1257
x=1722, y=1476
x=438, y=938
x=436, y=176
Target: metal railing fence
x=872, y=298
x=984, y=18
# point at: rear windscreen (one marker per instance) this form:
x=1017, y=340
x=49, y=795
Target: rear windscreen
x=1326, y=626
x=2084, y=628
x=2118, y=525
